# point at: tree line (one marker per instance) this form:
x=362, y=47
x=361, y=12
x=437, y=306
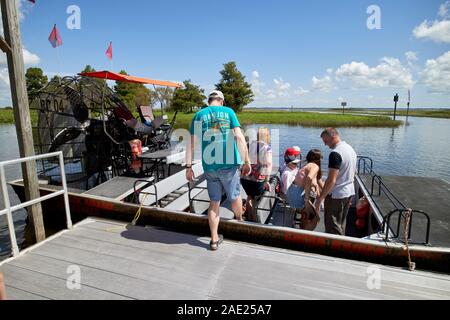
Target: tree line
x=190, y=98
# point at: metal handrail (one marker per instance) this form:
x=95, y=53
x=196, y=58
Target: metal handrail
x=399, y=206
x=9, y=210
x=387, y=223
x=382, y=187
x=362, y=159
x=148, y=185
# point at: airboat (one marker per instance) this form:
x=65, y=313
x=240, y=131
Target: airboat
x=82, y=117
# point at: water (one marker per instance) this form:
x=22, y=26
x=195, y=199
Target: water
x=417, y=149
x=9, y=151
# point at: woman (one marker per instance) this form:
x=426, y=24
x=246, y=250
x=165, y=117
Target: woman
x=309, y=184
x=309, y=178
x=258, y=181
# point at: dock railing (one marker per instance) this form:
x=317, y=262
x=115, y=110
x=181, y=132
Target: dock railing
x=10, y=209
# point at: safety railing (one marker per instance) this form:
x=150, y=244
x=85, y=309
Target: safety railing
x=382, y=188
x=365, y=167
x=366, y=163
x=10, y=209
x=408, y=224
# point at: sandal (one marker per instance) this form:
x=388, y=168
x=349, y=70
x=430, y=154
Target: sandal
x=215, y=245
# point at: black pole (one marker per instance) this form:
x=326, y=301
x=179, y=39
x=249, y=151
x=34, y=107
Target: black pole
x=395, y=108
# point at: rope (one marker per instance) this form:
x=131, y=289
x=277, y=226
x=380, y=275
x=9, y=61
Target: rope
x=135, y=219
x=411, y=265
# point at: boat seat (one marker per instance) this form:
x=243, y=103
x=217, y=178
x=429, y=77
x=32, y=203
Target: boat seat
x=147, y=116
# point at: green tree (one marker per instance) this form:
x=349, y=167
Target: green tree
x=36, y=80
x=188, y=98
x=163, y=97
x=55, y=79
x=132, y=94
x=238, y=93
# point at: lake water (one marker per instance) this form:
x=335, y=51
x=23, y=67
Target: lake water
x=10, y=150
x=417, y=149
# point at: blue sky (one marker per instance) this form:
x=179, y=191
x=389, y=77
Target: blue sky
x=299, y=53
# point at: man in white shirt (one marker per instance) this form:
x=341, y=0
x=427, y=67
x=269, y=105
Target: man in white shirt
x=339, y=188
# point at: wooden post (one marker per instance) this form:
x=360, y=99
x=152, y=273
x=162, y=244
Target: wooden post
x=19, y=96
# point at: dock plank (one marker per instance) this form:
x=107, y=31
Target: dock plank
x=22, y=295
x=51, y=287
x=129, y=286
x=152, y=263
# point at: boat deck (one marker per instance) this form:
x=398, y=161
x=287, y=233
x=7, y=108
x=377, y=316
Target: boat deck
x=118, y=261
x=426, y=194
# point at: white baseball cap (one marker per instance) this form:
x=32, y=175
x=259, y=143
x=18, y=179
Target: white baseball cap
x=216, y=94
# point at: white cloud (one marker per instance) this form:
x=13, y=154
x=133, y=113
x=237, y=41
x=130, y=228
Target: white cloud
x=389, y=73
x=444, y=10
x=301, y=92
x=282, y=87
x=438, y=30
x=257, y=85
x=29, y=58
x=5, y=92
x=411, y=56
x=436, y=75
x=324, y=84
x=21, y=11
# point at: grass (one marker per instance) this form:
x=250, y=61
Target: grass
x=425, y=113
x=306, y=119
x=435, y=113
x=7, y=116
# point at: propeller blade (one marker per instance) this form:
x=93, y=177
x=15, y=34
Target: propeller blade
x=68, y=134
x=79, y=108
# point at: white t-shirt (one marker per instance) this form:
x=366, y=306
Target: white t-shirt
x=287, y=178
x=343, y=158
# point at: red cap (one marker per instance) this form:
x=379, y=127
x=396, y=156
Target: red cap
x=292, y=155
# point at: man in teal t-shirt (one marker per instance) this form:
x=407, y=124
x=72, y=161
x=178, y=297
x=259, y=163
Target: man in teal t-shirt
x=223, y=150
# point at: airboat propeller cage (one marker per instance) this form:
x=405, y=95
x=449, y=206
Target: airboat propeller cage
x=76, y=116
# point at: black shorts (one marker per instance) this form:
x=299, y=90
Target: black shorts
x=252, y=188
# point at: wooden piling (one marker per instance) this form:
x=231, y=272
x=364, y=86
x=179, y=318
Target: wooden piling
x=19, y=96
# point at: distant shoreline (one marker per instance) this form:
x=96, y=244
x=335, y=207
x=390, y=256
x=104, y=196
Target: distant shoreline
x=306, y=117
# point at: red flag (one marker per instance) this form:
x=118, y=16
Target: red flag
x=54, y=38
x=109, y=52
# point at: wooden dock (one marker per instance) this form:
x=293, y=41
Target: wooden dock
x=119, y=261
